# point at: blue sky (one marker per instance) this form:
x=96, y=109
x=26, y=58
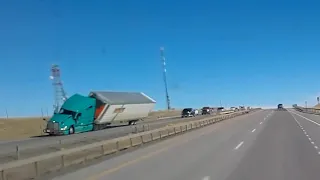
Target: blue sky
x=240, y=52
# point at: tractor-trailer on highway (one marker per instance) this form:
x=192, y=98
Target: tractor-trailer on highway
x=98, y=110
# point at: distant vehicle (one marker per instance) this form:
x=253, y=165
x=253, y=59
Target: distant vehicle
x=206, y=110
x=280, y=106
x=189, y=112
x=196, y=112
x=242, y=108
x=98, y=110
x=220, y=109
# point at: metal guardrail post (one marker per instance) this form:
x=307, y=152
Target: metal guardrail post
x=3, y=175
x=117, y=146
x=36, y=168
x=102, y=149
x=62, y=161
x=17, y=152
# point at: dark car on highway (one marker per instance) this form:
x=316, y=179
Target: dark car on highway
x=188, y=112
x=206, y=110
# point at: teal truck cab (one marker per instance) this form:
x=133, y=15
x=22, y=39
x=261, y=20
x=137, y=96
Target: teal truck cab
x=75, y=115
x=98, y=110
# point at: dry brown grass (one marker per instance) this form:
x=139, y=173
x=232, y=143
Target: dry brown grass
x=20, y=128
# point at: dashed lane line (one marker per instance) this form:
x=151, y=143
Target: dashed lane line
x=239, y=145
x=305, y=118
x=307, y=135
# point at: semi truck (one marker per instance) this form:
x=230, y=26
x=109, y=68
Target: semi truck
x=98, y=110
x=280, y=107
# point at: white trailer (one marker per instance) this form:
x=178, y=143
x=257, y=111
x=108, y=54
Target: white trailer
x=120, y=107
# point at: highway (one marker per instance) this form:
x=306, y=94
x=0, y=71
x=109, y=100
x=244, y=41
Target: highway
x=265, y=145
x=41, y=145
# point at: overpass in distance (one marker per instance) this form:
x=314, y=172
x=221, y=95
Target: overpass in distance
x=263, y=145
x=267, y=144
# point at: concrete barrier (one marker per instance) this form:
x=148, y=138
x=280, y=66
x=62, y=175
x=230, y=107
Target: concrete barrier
x=36, y=166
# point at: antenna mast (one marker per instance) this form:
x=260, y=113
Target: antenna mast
x=59, y=93
x=165, y=76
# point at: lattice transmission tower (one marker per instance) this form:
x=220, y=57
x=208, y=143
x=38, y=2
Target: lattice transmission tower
x=59, y=94
x=165, y=77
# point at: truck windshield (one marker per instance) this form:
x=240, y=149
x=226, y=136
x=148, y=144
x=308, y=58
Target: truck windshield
x=67, y=112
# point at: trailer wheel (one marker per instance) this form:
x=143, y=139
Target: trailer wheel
x=71, y=130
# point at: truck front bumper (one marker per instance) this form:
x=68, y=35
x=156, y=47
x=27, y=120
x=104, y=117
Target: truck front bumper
x=54, y=132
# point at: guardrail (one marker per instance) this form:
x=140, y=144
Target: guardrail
x=36, y=166
x=27, y=151
x=307, y=110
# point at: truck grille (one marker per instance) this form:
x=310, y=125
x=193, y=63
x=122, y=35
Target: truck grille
x=53, y=126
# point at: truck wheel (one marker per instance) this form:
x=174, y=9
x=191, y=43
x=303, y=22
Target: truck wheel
x=71, y=130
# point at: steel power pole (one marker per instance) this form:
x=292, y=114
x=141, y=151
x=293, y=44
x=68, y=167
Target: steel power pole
x=165, y=77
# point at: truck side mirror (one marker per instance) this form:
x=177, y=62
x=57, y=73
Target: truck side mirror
x=75, y=117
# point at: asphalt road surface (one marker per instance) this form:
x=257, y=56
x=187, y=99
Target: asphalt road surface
x=265, y=145
x=36, y=146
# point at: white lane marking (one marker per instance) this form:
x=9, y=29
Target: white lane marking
x=306, y=118
x=312, y=142
x=206, y=178
x=260, y=122
x=296, y=121
x=253, y=130
x=239, y=145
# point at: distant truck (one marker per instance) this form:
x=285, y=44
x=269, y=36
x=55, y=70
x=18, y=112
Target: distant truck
x=98, y=110
x=280, y=106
